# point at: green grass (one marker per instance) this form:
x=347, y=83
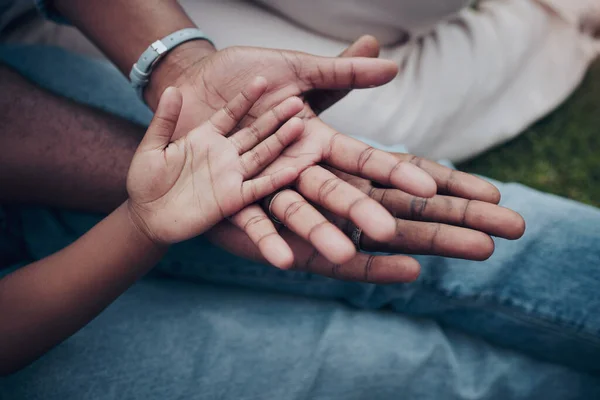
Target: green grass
x=560, y=154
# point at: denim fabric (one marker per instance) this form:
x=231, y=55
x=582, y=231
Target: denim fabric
x=167, y=339
x=46, y=8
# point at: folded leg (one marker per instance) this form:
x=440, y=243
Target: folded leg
x=166, y=339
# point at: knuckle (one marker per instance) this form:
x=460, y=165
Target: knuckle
x=165, y=123
x=265, y=236
x=257, y=158
x=292, y=209
x=368, y=268
x=364, y=157
x=278, y=114
x=452, y=181
x=417, y=207
x=336, y=271
x=303, y=176
x=254, y=132
x=246, y=96
x=244, y=164
x=229, y=112
x=252, y=222
x=465, y=213
x=418, y=161
x=236, y=143
x=433, y=237
x=352, y=76
x=361, y=199
x=316, y=227
x=309, y=264
x=393, y=171
x=327, y=188
x=331, y=145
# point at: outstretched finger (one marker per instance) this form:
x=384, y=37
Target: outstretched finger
x=262, y=233
x=362, y=268
x=453, y=182
x=437, y=239
x=473, y=214
x=266, y=124
x=320, y=100
x=226, y=119
x=255, y=160
x=357, y=158
x=342, y=73
x=162, y=127
x=308, y=223
x=330, y=192
x=255, y=189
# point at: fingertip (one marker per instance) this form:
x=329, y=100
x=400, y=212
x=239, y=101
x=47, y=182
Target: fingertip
x=296, y=101
x=489, y=192
x=375, y=221
x=386, y=229
x=344, y=254
x=260, y=82
x=292, y=106
x=333, y=244
x=389, y=68
x=370, y=44
x=495, y=195
x=296, y=124
x=281, y=259
x=412, y=271
x=485, y=250
x=520, y=226
x=414, y=180
x=256, y=88
x=277, y=252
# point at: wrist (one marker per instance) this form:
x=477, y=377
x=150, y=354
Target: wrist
x=140, y=229
x=173, y=66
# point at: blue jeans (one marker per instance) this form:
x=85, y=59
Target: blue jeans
x=463, y=330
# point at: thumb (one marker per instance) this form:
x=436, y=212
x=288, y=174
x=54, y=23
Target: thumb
x=320, y=100
x=162, y=127
x=335, y=73
x=364, y=46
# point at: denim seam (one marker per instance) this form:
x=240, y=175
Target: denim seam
x=534, y=317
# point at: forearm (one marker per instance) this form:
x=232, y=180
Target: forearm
x=59, y=153
x=123, y=29
x=44, y=303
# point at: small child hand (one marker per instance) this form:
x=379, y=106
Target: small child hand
x=180, y=189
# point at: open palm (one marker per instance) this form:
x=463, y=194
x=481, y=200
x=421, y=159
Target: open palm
x=180, y=188
x=208, y=84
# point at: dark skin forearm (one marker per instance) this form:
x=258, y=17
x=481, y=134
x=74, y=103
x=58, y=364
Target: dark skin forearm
x=59, y=153
x=44, y=303
x=123, y=29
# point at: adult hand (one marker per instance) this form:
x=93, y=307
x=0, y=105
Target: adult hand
x=457, y=222
x=210, y=80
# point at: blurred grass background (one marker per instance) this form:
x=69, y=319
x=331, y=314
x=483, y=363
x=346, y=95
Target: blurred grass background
x=560, y=154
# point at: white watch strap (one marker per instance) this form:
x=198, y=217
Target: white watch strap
x=142, y=69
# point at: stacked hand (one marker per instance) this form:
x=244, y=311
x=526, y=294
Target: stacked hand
x=335, y=185
x=180, y=188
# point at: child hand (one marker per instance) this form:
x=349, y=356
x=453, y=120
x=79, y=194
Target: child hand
x=179, y=189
